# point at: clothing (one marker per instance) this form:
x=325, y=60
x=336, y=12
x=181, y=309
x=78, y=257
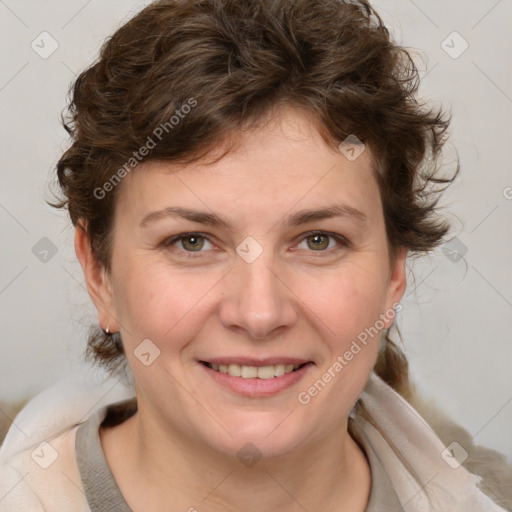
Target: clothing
x=101, y=490
x=39, y=469
x=103, y=494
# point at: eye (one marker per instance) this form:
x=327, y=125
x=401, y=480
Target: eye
x=320, y=241
x=189, y=242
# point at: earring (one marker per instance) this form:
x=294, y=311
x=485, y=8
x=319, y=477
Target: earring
x=115, y=337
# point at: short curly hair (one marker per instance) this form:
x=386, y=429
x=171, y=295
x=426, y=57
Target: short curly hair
x=236, y=62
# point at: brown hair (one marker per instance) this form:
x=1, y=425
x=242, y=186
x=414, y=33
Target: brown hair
x=222, y=66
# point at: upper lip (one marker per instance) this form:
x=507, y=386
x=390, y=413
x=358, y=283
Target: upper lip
x=251, y=361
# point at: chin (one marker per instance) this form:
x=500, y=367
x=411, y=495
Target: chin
x=261, y=435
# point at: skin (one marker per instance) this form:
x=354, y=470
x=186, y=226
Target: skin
x=295, y=300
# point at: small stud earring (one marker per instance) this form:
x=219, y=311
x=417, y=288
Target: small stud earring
x=115, y=337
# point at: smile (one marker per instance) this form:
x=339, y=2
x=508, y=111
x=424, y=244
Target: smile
x=254, y=372
x=256, y=379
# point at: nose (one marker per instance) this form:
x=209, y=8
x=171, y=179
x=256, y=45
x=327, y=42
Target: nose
x=257, y=299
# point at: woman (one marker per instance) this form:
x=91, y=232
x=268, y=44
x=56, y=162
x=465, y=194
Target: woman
x=246, y=180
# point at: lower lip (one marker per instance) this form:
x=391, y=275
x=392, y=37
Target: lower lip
x=258, y=388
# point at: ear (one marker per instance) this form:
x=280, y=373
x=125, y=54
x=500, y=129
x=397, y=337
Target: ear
x=97, y=280
x=397, y=283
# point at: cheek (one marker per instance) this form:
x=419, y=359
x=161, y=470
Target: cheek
x=347, y=302
x=346, y=309
x=156, y=303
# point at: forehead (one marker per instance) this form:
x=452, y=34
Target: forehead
x=284, y=165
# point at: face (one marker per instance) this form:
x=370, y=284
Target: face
x=273, y=263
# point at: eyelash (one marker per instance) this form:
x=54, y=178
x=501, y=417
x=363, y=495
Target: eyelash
x=192, y=254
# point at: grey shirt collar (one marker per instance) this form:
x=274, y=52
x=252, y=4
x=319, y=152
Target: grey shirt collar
x=103, y=493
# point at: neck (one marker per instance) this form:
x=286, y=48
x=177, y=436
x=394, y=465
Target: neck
x=165, y=466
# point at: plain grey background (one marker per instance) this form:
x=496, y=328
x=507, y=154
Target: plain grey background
x=457, y=316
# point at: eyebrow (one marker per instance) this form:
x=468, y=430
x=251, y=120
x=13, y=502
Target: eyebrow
x=297, y=219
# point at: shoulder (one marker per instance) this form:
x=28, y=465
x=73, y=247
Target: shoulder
x=411, y=438
x=38, y=463
x=43, y=477
x=493, y=468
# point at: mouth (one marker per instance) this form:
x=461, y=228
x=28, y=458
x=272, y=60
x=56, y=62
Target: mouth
x=253, y=378
x=255, y=372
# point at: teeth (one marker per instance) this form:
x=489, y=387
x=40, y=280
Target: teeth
x=247, y=372
x=266, y=372
x=234, y=370
x=252, y=372
x=279, y=370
